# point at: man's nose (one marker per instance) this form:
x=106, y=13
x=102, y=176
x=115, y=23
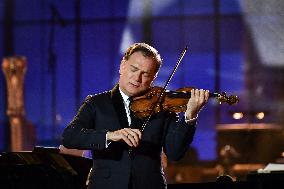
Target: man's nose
x=138, y=77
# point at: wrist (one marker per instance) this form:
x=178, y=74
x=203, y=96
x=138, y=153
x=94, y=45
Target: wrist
x=108, y=136
x=190, y=119
x=190, y=115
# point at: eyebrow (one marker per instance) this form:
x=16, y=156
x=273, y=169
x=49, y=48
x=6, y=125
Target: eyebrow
x=139, y=69
x=134, y=66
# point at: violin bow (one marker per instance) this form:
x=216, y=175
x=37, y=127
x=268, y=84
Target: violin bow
x=164, y=89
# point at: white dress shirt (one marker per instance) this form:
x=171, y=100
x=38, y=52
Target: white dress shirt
x=126, y=103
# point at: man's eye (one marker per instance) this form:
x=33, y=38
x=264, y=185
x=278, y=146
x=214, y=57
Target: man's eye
x=133, y=69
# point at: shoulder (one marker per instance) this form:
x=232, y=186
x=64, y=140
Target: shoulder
x=94, y=98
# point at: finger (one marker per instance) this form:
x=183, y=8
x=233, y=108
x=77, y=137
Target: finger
x=132, y=139
x=134, y=134
x=127, y=140
x=192, y=93
x=131, y=134
x=201, y=92
x=124, y=132
x=202, y=95
x=196, y=92
x=206, y=95
x=138, y=132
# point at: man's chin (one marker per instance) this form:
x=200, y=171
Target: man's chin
x=138, y=93
x=135, y=92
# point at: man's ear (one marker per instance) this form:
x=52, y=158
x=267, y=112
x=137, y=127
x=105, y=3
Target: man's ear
x=122, y=66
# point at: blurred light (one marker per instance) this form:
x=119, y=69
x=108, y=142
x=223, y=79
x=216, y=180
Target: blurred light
x=58, y=118
x=238, y=115
x=127, y=39
x=259, y=115
x=265, y=23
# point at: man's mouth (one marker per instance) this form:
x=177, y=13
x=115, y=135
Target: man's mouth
x=134, y=85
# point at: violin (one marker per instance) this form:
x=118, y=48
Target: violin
x=171, y=101
x=159, y=99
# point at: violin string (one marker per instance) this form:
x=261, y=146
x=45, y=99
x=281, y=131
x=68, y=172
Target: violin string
x=164, y=89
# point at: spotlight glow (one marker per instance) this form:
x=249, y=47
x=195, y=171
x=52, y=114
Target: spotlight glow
x=259, y=115
x=238, y=115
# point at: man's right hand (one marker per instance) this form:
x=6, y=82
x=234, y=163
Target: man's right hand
x=128, y=135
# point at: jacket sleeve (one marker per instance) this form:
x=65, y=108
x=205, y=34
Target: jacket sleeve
x=81, y=132
x=178, y=137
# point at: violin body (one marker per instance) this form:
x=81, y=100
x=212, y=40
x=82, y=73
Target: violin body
x=157, y=100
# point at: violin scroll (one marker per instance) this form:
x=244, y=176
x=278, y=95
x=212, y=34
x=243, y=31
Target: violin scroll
x=223, y=98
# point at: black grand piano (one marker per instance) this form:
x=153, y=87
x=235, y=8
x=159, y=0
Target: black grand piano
x=43, y=168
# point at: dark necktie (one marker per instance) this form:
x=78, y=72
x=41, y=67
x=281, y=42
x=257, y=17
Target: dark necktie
x=134, y=120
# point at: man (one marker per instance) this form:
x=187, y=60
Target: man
x=123, y=156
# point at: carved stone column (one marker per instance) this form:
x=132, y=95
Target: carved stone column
x=22, y=133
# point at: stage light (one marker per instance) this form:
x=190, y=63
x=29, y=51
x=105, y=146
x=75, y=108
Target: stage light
x=238, y=115
x=58, y=118
x=259, y=115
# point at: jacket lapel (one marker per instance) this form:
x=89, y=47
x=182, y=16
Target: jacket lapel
x=118, y=105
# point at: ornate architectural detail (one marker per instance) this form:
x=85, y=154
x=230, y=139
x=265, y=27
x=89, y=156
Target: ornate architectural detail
x=22, y=133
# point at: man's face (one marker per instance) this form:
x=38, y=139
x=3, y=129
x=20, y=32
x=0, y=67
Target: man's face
x=136, y=74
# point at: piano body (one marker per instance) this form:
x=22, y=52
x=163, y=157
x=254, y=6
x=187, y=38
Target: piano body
x=43, y=168
x=47, y=168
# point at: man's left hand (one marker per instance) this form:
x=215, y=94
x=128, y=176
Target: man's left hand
x=198, y=99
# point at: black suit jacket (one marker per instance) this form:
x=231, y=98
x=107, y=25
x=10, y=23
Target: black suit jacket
x=115, y=165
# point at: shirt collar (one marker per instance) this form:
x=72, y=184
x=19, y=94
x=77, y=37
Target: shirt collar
x=124, y=96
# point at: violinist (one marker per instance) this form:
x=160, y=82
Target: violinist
x=124, y=155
